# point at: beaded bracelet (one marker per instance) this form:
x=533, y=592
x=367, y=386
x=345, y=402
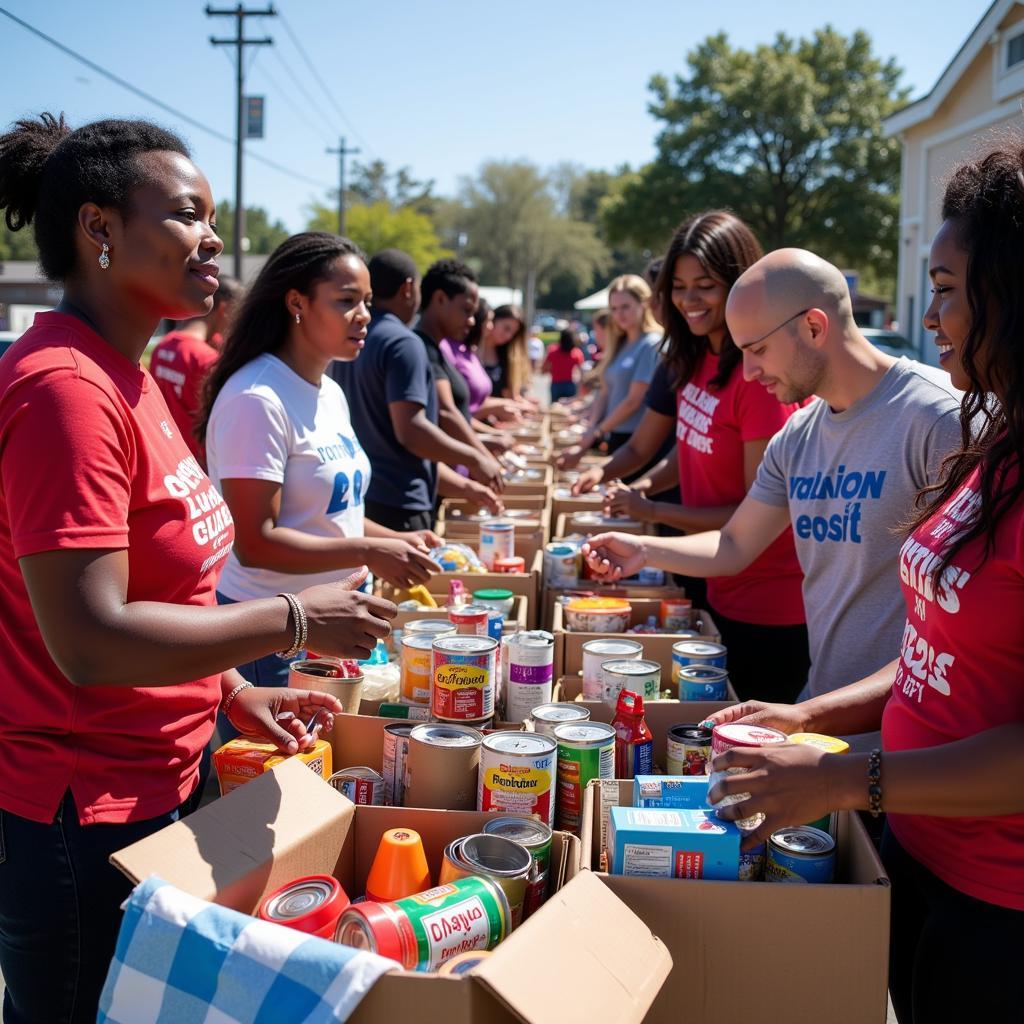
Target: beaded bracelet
x=875, y=782
x=298, y=614
x=230, y=699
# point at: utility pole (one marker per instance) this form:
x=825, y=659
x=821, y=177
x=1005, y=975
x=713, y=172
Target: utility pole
x=239, y=13
x=342, y=151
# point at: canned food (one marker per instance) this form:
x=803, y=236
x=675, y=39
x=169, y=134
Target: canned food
x=531, y=657
x=696, y=652
x=514, y=564
x=463, y=963
x=548, y=717
x=648, y=576
x=688, y=750
x=497, y=540
x=676, y=613
x=734, y=734
x=636, y=674
x=535, y=836
x=585, y=752
x=470, y=619
x=495, y=627
x=487, y=856
x=499, y=600
x=517, y=775
x=424, y=931
x=312, y=904
x=561, y=565
x=361, y=785
x=596, y=653
x=801, y=854
x=416, y=654
x=396, y=750
x=401, y=709
x=443, y=766
x=429, y=627
x=702, y=682
x=752, y=864
x=463, y=670
x=831, y=745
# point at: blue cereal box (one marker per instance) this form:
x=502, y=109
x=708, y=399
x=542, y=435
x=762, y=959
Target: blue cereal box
x=674, y=843
x=671, y=791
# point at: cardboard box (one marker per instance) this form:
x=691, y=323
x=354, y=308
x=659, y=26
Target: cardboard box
x=518, y=620
x=564, y=527
x=289, y=823
x=632, y=591
x=657, y=646
x=780, y=954
x=560, y=506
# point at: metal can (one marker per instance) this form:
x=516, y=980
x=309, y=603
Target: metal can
x=636, y=674
x=396, y=750
x=696, y=652
x=429, y=627
x=688, y=750
x=517, y=775
x=648, y=576
x=548, y=717
x=531, y=659
x=470, y=619
x=535, y=836
x=312, y=904
x=506, y=565
x=497, y=540
x=463, y=963
x=400, y=709
x=463, y=673
x=417, y=650
x=752, y=864
x=423, y=931
x=360, y=784
x=596, y=653
x=735, y=734
x=443, y=766
x=702, y=682
x=561, y=565
x=495, y=624
x=486, y=856
x=585, y=752
x=801, y=854
x=676, y=613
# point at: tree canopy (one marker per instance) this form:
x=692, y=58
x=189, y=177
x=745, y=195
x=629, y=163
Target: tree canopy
x=264, y=236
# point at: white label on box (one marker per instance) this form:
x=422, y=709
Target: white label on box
x=648, y=816
x=609, y=790
x=650, y=861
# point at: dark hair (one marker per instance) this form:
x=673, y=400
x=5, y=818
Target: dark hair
x=726, y=247
x=984, y=200
x=652, y=270
x=567, y=340
x=601, y=318
x=261, y=322
x=229, y=289
x=449, y=276
x=47, y=172
x=476, y=332
x=389, y=270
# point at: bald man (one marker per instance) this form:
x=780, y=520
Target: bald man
x=844, y=471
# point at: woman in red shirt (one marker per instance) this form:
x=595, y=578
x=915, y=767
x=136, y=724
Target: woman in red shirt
x=115, y=656
x=562, y=362
x=950, y=775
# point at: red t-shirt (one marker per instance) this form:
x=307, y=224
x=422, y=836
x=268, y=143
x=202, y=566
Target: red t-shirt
x=560, y=364
x=711, y=429
x=960, y=673
x=179, y=365
x=89, y=458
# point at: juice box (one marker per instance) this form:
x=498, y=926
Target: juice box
x=241, y=760
x=671, y=791
x=679, y=843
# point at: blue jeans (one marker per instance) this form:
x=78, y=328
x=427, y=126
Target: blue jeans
x=562, y=389
x=60, y=911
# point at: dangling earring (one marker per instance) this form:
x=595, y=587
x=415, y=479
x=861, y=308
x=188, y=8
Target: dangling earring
x=298, y=318
x=104, y=258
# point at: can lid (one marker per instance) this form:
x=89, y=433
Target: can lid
x=461, y=644
x=803, y=841
x=699, y=648
x=497, y=856
x=497, y=524
x=442, y=735
x=736, y=734
x=420, y=641
x=687, y=731
x=631, y=667
x=561, y=712
x=584, y=732
x=532, y=638
x=371, y=926
x=705, y=673
x=308, y=904
x=527, y=744
x=527, y=831
x=613, y=647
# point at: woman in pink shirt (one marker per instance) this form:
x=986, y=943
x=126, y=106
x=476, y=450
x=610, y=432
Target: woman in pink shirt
x=950, y=773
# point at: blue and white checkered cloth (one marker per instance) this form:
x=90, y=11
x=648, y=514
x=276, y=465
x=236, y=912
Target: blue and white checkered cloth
x=181, y=960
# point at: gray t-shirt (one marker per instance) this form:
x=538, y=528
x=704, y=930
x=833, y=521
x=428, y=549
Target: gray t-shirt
x=635, y=363
x=849, y=480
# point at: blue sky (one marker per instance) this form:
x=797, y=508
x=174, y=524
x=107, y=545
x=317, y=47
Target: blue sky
x=439, y=86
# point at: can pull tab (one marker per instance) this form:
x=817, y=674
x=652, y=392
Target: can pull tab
x=314, y=722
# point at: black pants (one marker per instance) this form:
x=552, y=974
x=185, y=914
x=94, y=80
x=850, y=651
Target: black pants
x=765, y=662
x=400, y=519
x=951, y=957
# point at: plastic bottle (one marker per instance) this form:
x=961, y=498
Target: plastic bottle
x=634, y=744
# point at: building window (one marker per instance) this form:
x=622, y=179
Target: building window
x=1015, y=51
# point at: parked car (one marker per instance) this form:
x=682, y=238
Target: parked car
x=890, y=342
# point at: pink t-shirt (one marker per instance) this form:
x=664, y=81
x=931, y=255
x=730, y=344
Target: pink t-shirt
x=180, y=364
x=90, y=458
x=961, y=672
x=711, y=429
x=467, y=362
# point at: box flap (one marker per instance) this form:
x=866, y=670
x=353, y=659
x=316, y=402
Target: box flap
x=284, y=824
x=585, y=956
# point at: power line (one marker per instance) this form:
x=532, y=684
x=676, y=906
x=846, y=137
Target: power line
x=313, y=103
x=260, y=71
x=220, y=136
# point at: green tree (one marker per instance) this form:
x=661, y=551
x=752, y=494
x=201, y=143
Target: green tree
x=17, y=245
x=374, y=183
x=377, y=226
x=788, y=135
x=264, y=236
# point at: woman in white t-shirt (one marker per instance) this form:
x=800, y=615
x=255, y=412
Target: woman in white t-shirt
x=279, y=440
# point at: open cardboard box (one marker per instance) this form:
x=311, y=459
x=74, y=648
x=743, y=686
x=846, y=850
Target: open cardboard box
x=633, y=592
x=592, y=502
x=657, y=646
x=517, y=621
x=660, y=715
x=564, y=526
x=289, y=823
x=780, y=954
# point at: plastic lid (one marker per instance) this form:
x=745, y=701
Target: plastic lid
x=492, y=595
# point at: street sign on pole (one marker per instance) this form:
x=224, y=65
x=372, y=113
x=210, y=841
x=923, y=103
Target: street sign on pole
x=254, y=117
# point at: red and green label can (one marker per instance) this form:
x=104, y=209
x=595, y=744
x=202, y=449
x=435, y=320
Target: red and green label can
x=585, y=751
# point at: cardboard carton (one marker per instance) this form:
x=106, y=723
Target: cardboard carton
x=520, y=612
x=565, y=527
x=780, y=954
x=632, y=591
x=289, y=823
x=564, y=504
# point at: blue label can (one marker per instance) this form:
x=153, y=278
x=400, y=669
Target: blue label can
x=703, y=682
x=801, y=854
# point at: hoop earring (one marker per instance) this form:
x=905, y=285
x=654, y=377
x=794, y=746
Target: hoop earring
x=104, y=257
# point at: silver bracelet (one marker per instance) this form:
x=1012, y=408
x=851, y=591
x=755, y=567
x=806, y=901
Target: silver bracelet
x=298, y=614
x=225, y=706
